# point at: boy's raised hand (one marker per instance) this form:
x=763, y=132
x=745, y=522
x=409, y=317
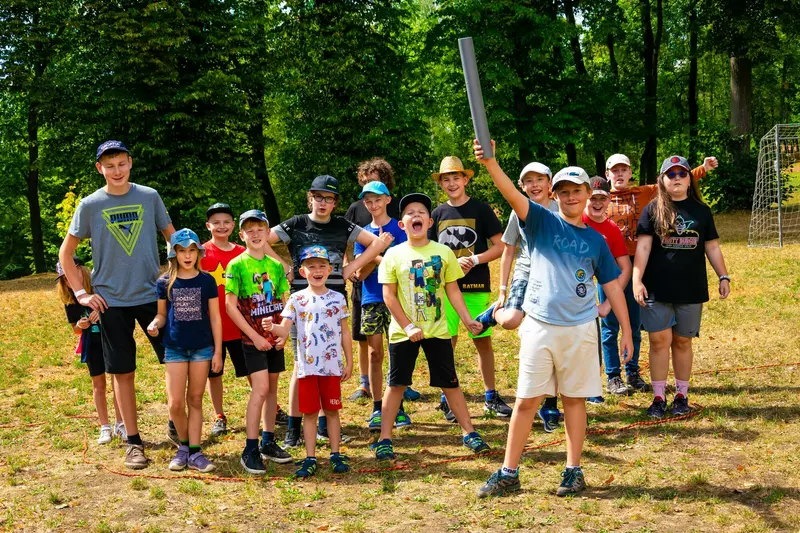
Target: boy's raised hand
x=477, y=149
x=710, y=163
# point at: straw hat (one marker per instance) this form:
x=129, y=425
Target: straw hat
x=452, y=164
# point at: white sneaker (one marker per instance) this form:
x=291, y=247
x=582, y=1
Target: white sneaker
x=106, y=434
x=119, y=430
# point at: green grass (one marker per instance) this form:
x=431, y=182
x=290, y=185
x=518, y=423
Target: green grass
x=733, y=468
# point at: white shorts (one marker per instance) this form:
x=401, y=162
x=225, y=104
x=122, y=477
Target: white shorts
x=566, y=356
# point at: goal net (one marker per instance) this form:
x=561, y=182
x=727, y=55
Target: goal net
x=775, y=219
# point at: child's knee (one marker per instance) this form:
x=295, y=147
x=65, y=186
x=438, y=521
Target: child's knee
x=526, y=404
x=195, y=400
x=376, y=357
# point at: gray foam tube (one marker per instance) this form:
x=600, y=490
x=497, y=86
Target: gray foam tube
x=474, y=95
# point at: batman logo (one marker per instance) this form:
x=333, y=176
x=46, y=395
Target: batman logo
x=458, y=237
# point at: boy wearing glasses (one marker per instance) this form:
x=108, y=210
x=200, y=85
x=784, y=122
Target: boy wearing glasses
x=321, y=228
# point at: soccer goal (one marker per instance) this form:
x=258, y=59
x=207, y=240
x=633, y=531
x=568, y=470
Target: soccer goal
x=775, y=219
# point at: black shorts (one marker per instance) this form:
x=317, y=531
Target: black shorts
x=441, y=363
x=119, y=347
x=94, y=359
x=234, y=350
x=355, y=311
x=255, y=360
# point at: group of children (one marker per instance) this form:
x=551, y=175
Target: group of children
x=416, y=278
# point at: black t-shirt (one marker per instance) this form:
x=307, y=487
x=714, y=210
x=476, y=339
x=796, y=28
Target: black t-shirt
x=466, y=230
x=75, y=312
x=676, y=268
x=300, y=231
x=358, y=213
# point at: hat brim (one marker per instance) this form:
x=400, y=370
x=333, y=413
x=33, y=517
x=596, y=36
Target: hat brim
x=601, y=192
x=469, y=173
x=320, y=189
x=673, y=165
x=570, y=179
x=185, y=244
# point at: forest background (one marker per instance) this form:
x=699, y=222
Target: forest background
x=245, y=101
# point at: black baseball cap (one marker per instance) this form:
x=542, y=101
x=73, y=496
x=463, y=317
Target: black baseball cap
x=325, y=183
x=415, y=197
x=219, y=207
x=600, y=185
x=109, y=146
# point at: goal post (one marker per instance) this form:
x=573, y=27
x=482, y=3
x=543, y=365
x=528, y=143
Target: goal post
x=775, y=218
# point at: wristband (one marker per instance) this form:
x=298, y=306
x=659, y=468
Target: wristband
x=475, y=260
x=724, y=278
x=409, y=327
x=79, y=293
x=503, y=288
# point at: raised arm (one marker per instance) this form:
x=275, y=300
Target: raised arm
x=518, y=201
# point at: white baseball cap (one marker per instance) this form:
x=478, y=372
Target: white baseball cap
x=538, y=168
x=573, y=175
x=616, y=159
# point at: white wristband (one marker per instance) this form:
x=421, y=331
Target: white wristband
x=79, y=293
x=503, y=288
x=475, y=260
x=409, y=327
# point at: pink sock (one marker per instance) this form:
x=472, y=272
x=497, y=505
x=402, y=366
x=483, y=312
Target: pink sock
x=659, y=388
x=682, y=387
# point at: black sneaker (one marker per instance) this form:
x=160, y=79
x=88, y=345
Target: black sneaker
x=272, y=452
x=294, y=438
x=572, y=482
x=680, y=405
x=251, y=461
x=281, y=418
x=497, y=406
x=658, y=409
x=448, y=414
x=498, y=484
x=636, y=383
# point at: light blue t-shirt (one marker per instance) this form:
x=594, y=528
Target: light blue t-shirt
x=372, y=291
x=564, y=258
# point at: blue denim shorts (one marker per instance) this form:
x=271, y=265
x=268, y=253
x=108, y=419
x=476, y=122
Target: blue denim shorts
x=180, y=355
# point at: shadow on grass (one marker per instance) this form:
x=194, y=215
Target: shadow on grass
x=754, y=390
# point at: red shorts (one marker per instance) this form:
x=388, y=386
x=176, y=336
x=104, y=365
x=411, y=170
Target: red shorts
x=317, y=392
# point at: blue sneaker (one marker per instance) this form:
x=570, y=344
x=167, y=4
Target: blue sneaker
x=498, y=485
x=402, y=420
x=572, y=482
x=410, y=395
x=550, y=419
x=375, y=421
x=474, y=442
x=339, y=463
x=308, y=467
x=595, y=399
x=383, y=450
x=487, y=319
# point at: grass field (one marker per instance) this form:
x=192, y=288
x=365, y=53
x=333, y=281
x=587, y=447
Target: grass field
x=734, y=467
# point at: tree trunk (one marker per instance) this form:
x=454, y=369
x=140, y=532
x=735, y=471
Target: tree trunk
x=612, y=58
x=572, y=155
x=600, y=163
x=257, y=145
x=524, y=123
x=574, y=41
x=37, y=241
x=693, y=82
x=741, y=100
x=652, y=44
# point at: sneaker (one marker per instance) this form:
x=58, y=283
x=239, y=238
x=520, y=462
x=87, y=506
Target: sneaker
x=448, y=414
x=636, y=383
x=181, y=459
x=486, y=319
x=474, y=442
x=498, y=407
x=402, y=420
x=572, y=482
x=281, y=418
x=322, y=434
x=308, y=467
x=172, y=435
x=119, y=431
x=550, y=419
x=411, y=395
x=271, y=451
x=293, y=439
x=658, y=409
x=360, y=392
x=383, y=450
x=616, y=386
x=200, y=462
x=375, y=421
x=252, y=463
x=596, y=399
x=339, y=463
x=220, y=427
x=498, y=484
x=680, y=405
x=106, y=434
x=134, y=457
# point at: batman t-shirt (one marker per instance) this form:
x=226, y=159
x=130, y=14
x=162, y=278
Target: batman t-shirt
x=466, y=230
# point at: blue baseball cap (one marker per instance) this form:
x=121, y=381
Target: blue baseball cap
x=374, y=187
x=675, y=161
x=253, y=214
x=312, y=252
x=184, y=238
x=107, y=146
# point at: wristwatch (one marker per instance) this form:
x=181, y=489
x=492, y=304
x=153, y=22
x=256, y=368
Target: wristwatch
x=725, y=278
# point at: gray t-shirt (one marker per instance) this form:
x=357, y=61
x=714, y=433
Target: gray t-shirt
x=514, y=236
x=123, y=230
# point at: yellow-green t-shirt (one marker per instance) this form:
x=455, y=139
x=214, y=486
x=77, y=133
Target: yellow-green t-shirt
x=420, y=275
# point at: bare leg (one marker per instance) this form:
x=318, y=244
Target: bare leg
x=376, y=355
x=660, y=342
x=215, y=391
x=271, y=403
x=198, y=374
x=177, y=374
x=363, y=360
x=99, y=397
x=682, y=357
x=458, y=405
x=486, y=361
x=334, y=430
x=310, y=433
x=391, y=404
x=258, y=395
x=454, y=341
x=125, y=386
x=294, y=399
x=575, y=426
x=519, y=428
x=117, y=412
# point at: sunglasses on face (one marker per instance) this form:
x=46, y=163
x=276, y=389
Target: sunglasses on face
x=324, y=199
x=679, y=174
